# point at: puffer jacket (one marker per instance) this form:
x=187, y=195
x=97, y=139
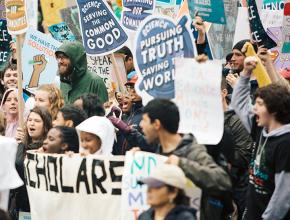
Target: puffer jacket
x=201, y=169
x=81, y=80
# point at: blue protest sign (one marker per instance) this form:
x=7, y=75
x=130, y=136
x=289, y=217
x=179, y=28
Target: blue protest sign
x=209, y=10
x=61, y=32
x=5, y=39
x=102, y=34
x=135, y=11
x=158, y=41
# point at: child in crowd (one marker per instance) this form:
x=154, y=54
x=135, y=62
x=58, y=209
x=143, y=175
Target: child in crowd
x=61, y=139
x=49, y=97
x=97, y=135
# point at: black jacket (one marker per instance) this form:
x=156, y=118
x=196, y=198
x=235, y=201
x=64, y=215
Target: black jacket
x=202, y=170
x=179, y=212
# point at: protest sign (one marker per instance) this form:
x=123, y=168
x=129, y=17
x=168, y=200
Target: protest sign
x=61, y=32
x=167, y=10
x=169, y=2
x=75, y=187
x=16, y=16
x=32, y=13
x=198, y=97
x=209, y=10
x=24, y=216
x=38, y=59
x=286, y=28
x=137, y=166
x=273, y=4
x=8, y=174
x=221, y=37
x=2, y=9
x=70, y=16
x=281, y=60
x=102, y=34
x=51, y=11
x=5, y=39
x=271, y=18
x=159, y=40
x=135, y=11
x=259, y=35
x=242, y=31
x=103, y=67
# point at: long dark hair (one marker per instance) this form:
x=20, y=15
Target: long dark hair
x=47, y=123
x=181, y=198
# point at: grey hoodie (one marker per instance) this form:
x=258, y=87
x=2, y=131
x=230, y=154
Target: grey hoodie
x=279, y=203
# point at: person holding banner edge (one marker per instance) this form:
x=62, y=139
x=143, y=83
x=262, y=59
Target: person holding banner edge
x=160, y=121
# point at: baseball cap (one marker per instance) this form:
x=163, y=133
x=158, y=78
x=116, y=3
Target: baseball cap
x=166, y=174
x=132, y=80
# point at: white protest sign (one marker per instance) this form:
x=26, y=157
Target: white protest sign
x=103, y=67
x=39, y=64
x=9, y=178
x=134, y=196
x=271, y=18
x=198, y=96
x=63, y=187
x=242, y=31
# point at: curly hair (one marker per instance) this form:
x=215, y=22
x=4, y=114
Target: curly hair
x=277, y=100
x=55, y=98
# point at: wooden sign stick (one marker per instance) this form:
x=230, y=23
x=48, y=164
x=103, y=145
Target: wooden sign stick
x=117, y=73
x=19, y=82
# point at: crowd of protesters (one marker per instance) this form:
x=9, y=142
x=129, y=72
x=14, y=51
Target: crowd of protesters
x=245, y=176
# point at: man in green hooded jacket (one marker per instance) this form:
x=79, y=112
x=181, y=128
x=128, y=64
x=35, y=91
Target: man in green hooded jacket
x=75, y=77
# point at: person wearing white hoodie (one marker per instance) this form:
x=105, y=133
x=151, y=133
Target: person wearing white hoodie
x=96, y=135
x=268, y=121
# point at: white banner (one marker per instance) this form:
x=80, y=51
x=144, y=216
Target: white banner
x=198, y=96
x=63, y=187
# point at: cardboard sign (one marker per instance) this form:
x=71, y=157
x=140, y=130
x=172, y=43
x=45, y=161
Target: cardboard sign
x=5, y=39
x=137, y=166
x=210, y=10
x=135, y=11
x=61, y=32
x=103, y=67
x=198, y=97
x=167, y=10
x=16, y=16
x=101, y=31
x=76, y=187
x=159, y=40
x=38, y=60
x=71, y=17
x=259, y=35
x=51, y=11
x=221, y=37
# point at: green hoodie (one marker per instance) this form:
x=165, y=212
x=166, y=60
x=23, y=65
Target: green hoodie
x=81, y=80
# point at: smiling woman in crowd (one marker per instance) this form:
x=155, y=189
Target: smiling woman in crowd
x=49, y=97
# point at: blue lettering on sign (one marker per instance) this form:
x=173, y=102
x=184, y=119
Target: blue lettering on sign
x=102, y=33
x=159, y=41
x=135, y=11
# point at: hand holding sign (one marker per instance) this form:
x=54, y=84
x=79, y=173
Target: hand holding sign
x=39, y=64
